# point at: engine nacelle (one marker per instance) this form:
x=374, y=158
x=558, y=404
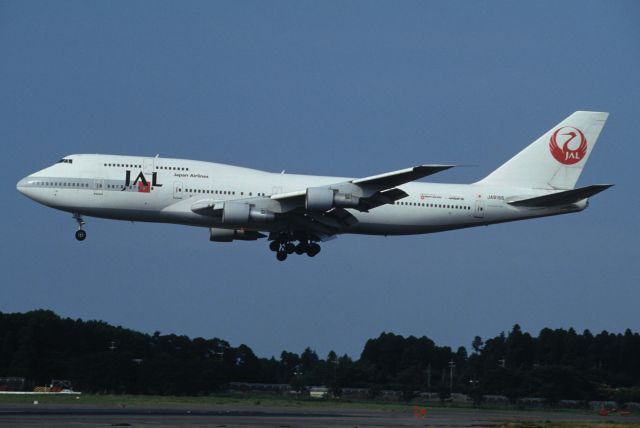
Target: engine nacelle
x=228, y=235
x=323, y=199
x=239, y=213
x=345, y=200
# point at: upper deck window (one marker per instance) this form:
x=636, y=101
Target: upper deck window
x=63, y=160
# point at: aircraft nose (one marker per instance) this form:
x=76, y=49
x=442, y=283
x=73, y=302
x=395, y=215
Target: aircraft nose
x=30, y=187
x=22, y=185
x=26, y=186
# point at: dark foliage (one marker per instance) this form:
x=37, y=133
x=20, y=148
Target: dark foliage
x=97, y=357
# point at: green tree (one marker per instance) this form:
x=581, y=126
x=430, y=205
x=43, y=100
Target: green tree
x=477, y=344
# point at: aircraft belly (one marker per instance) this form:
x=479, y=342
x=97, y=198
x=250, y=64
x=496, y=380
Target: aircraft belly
x=133, y=214
x=386, y=222
x=398, y=229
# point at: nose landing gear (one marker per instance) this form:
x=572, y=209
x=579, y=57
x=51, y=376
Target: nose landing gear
x=80, y=233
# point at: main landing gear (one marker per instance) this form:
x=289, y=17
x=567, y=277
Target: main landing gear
x=283, y=246
x=80, y=233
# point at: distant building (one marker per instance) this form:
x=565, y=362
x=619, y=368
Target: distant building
x=318, y=392
x=13, y=384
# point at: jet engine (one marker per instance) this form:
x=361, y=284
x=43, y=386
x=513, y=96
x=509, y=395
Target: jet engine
x=228, y=235
x=323, y=199
x=240, y=213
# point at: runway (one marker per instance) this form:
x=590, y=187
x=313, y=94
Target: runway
x=59, y=416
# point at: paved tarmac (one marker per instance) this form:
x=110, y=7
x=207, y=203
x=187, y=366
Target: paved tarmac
x=59, y=416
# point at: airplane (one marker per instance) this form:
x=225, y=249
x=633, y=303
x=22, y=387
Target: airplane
x=296, y=212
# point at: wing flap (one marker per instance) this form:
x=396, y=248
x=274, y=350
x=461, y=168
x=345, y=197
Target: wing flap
x=561, y=198
x=342, y=216
x=382, y=198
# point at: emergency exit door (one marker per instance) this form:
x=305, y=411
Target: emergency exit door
x=479, y=209
x=178, y=191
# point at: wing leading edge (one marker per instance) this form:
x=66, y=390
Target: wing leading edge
x=395, y=178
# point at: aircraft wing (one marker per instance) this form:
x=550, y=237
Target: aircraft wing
x=321, y=225
x=361, y=194
x=323, y=210
x=371, y=192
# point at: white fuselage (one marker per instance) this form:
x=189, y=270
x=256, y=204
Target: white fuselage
x=164, y=190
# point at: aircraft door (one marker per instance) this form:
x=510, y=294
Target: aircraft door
x=479, y=209
x=98, y=186
x=178, y=190
x=148, y=165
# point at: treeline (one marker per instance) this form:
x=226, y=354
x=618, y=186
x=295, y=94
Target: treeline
x=100, y=358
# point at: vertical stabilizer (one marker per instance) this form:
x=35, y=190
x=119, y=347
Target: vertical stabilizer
x=555, y=160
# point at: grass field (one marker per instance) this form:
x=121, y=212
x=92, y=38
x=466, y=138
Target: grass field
x=487, y=417
x=202, y=401
x=235, y=401
x=568, y=425
x=256, y=403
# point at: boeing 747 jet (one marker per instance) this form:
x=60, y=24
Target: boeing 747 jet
x=296, y=212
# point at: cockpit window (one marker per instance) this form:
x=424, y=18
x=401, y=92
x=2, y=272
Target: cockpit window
x=65, y=160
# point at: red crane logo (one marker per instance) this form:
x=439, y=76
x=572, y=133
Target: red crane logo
x=565, y=150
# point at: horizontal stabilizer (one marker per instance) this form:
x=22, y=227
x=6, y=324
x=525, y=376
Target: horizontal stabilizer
x=562, y=198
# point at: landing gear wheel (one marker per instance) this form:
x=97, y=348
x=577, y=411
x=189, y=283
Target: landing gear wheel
x=313, y=250
x=281, y=256
x=274, y=246
x=289, y=247
x=300, y=249
x=80, y=234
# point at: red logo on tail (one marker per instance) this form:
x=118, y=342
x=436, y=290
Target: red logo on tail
x=562, y=151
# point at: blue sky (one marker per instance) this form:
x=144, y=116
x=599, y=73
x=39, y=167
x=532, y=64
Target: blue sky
x=335, y=88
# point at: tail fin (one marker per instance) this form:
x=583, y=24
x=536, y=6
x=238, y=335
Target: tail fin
x=555, y=160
